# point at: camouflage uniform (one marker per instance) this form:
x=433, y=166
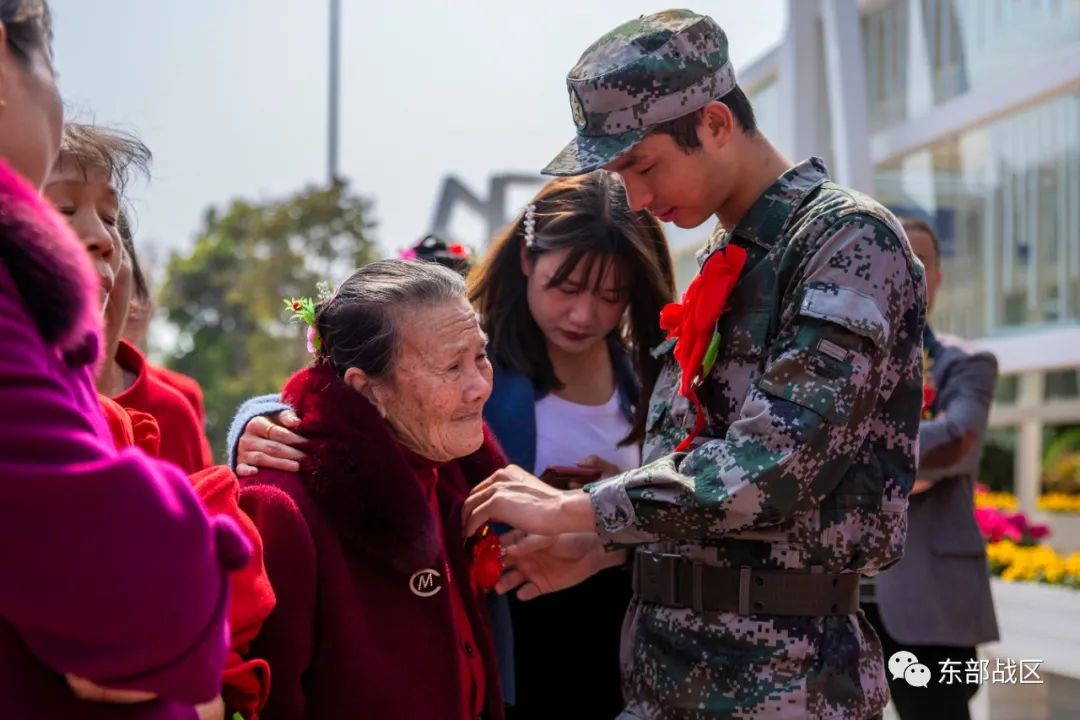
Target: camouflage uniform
x=807, y=460
x=809, y=450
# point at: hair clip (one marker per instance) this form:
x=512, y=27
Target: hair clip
x=530, y=226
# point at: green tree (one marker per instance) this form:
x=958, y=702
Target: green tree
x=224, y=298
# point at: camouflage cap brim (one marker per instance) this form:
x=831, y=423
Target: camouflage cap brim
x=585, y=154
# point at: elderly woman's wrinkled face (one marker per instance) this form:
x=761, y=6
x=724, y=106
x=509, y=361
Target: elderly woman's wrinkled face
x=441, y=379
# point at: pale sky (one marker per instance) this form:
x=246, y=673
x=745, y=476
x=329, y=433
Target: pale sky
x=230, y=95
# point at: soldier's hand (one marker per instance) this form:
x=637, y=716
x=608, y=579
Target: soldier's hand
x=541, y=564
x=268, y=442
x=525, y=502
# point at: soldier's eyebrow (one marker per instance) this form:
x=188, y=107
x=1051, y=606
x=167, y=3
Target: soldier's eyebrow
x=625, y=162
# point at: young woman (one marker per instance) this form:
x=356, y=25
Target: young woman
x=571, y=295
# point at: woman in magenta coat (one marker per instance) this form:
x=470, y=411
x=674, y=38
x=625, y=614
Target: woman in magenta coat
x=109, y=570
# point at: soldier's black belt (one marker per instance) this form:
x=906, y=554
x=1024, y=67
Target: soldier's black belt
x=674, y=581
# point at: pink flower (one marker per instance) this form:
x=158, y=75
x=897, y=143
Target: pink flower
x=1035, y=532
x=994, y=525
x=312, y=340
x=407, y=254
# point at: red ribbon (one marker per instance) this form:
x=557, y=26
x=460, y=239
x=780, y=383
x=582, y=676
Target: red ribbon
x=693, y=322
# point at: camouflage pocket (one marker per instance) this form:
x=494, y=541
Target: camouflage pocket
x=823, y=365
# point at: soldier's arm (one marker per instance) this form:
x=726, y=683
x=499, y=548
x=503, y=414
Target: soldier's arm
x=966, y=414
x=809, y=413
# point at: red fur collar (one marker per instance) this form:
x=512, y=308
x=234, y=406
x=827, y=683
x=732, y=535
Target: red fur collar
x=50, y=268
x=365, y=482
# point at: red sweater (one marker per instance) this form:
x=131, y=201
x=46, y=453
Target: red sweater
x=365, y=625
x=192, y=392
x=246, y=682
x=183, y=441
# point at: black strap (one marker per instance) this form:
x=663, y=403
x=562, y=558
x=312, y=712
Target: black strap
x=674, y=581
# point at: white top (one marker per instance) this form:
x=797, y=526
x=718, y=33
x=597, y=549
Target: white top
x=567, y=432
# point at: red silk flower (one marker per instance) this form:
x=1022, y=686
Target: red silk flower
x=487, y=565
x=693, y=324
x=929, y=389
x=929, y=395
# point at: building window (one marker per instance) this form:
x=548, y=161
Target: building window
x=921, y=53
x=1005, y=199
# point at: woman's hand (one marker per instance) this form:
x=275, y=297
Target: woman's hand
x=595, y=462
x=213, y=710
x=269, y=443
x=541, y=564
x=86, y=690
x=527, y=503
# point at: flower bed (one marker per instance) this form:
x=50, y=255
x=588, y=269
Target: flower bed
x=1051, y=502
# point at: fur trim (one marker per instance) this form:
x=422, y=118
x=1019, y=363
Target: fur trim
x=366, y=483
x=50, y=268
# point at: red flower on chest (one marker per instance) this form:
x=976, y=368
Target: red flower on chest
x=692, y=323
x=487, y=565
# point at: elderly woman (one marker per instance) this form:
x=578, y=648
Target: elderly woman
x=377, y=615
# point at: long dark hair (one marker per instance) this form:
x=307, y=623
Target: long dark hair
x=589, y=216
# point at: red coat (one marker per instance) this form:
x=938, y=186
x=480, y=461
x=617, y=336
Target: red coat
x=187, y=386
x=191, y=390
x=183, y=440
x=245, y=681
x=346, y=543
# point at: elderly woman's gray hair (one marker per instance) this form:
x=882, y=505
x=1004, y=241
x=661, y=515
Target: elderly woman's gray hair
x=357, y=324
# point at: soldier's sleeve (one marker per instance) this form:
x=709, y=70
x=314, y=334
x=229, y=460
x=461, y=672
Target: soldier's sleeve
x=802, y=422
x=965, y=414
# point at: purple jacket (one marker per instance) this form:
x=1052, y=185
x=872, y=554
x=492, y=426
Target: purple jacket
x=109, y=567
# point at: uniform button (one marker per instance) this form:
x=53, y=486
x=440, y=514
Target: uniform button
x=469, y=649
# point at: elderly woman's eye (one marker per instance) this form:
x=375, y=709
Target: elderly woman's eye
x=482, y=358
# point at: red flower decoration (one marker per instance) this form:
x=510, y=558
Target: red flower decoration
x=487, y=564
x=297, y=306
x=693, y=323
x=929, y=395
x=929, y=389
x=458, y=251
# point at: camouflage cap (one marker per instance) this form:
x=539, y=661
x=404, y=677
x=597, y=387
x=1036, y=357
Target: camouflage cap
x=645, y=72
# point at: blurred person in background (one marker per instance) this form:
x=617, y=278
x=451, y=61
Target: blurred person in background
x=936, y=601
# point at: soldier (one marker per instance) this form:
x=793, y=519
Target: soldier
x=781, y=438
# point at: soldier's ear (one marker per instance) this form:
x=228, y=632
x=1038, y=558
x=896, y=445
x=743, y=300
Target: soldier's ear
x=717, y=124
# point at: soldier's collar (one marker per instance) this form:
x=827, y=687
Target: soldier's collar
x=770, y=215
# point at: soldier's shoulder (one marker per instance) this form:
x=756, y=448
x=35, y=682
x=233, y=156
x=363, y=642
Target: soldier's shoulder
x=836, y=203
